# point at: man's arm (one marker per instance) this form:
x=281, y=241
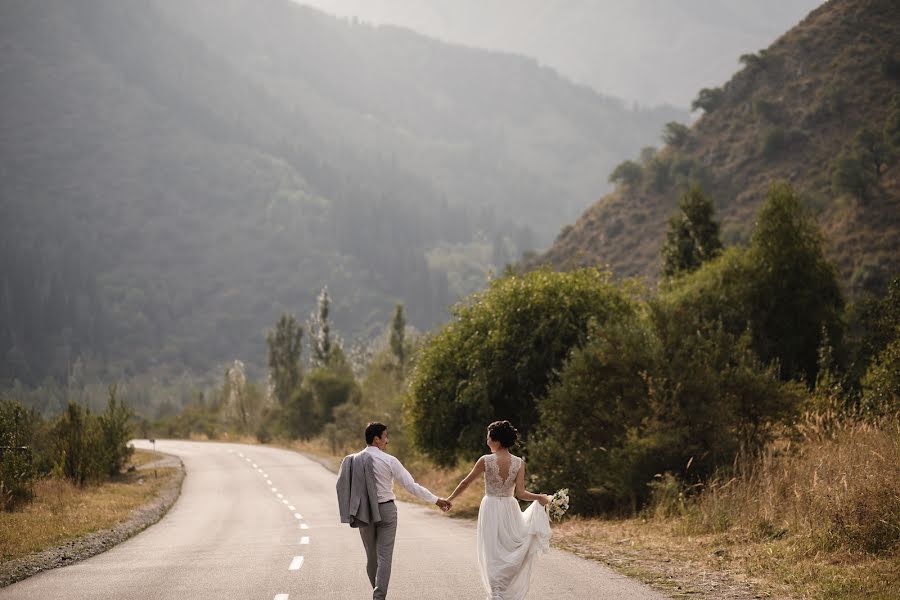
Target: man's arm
x=402, y=476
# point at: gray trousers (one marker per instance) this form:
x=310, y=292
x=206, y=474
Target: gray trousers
x=379, y=542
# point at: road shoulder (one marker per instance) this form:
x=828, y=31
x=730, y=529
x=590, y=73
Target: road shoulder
x=99, y=541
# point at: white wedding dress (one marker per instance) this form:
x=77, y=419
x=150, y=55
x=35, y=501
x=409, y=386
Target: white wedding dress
x=509, y=539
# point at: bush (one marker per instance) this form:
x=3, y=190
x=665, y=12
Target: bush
x=17, y=471
x=777, y=139
x=708, y=99
x=665, y=393
x=498, y=355
x=627, y=173
x=78, y=452
x=114, y=432
x=850, y=176
x=693, y=234
x=767, y=110
x=676, y=134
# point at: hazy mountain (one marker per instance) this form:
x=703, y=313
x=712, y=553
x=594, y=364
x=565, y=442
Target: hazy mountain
x=826, y=91
x=650, y=51
x=177, y=174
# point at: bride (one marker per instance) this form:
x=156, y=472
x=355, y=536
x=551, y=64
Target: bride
x=508, y=538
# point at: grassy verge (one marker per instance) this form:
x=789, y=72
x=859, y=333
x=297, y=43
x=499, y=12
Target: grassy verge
x=818, y=518
x=61, y=512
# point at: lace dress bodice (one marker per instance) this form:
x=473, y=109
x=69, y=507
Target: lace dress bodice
x=494, y=485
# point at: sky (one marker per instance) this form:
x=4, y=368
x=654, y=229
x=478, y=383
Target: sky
x=645, y=51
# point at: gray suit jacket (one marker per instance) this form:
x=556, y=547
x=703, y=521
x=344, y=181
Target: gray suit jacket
x=357, y=496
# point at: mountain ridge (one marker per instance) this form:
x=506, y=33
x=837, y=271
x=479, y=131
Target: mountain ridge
x=789, y=114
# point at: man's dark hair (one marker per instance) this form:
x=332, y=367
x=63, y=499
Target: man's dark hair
x=374, y=430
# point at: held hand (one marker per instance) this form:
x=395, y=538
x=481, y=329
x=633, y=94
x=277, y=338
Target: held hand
x=545, y=499
x=444, y=505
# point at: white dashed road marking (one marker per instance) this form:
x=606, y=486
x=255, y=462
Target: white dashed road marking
x=304, y=526
x=281, y=597
x=296, y=563
x=304, y=540
x=298, y=515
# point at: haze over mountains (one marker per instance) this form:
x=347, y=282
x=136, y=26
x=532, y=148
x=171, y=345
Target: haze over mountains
x=175, y=175
x=651, y=52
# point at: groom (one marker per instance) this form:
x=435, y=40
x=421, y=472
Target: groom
x=378, y=535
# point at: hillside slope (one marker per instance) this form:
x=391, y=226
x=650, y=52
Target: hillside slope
x=788, y=114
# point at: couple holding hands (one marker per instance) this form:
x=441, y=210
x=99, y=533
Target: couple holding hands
x=508, y=539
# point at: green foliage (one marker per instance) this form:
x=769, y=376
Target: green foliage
x=755, y=60
x=850, y=175
x=693, y=235
x=499, y=354
x=881, y=341
x=858, y=168
x=114, y=431
x=285, y=357
x=777, y=139
x=665, y=392
x=676, y=134
x=797, y=293
x=781, y=287
x=78, y=445
x=398, y=334
x=881, y=383
x=628, y=173
x=709, y=99
x=322, y=340
x=17, y=469
x=767, y=110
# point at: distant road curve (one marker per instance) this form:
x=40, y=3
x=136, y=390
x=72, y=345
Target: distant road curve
x=257, y=522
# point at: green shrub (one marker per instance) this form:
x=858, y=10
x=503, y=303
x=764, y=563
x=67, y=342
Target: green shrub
x=676, y=134
x=627, y=173
x=850, y=176
x=17, y=471
x=708, y=99
x=79, y=454
x=498, y=355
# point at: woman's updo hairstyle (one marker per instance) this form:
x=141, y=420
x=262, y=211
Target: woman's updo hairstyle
x=503, y=432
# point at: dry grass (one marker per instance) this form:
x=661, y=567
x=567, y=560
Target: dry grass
x=61, y=511
x=818, y=518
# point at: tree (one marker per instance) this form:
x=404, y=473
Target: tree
x=115, y=431
x=675, y=134
x=498, y=355
x=627, y=173
x=851, y=176
x=285, y=354
x=398, y=327
x=708, y=99
x=322, y=348
x=872, y=150
x=693, y=235
x=796, y=292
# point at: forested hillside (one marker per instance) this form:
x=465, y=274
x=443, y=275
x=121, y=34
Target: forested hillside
x=819, y=108
x=177, y=175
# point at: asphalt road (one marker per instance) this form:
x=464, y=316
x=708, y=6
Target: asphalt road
x=262, y=523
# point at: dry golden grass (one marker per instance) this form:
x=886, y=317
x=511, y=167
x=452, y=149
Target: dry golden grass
x=62, y=512
x=818, y=518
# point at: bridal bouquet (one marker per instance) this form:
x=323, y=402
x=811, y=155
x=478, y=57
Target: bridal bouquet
x=559, y=504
